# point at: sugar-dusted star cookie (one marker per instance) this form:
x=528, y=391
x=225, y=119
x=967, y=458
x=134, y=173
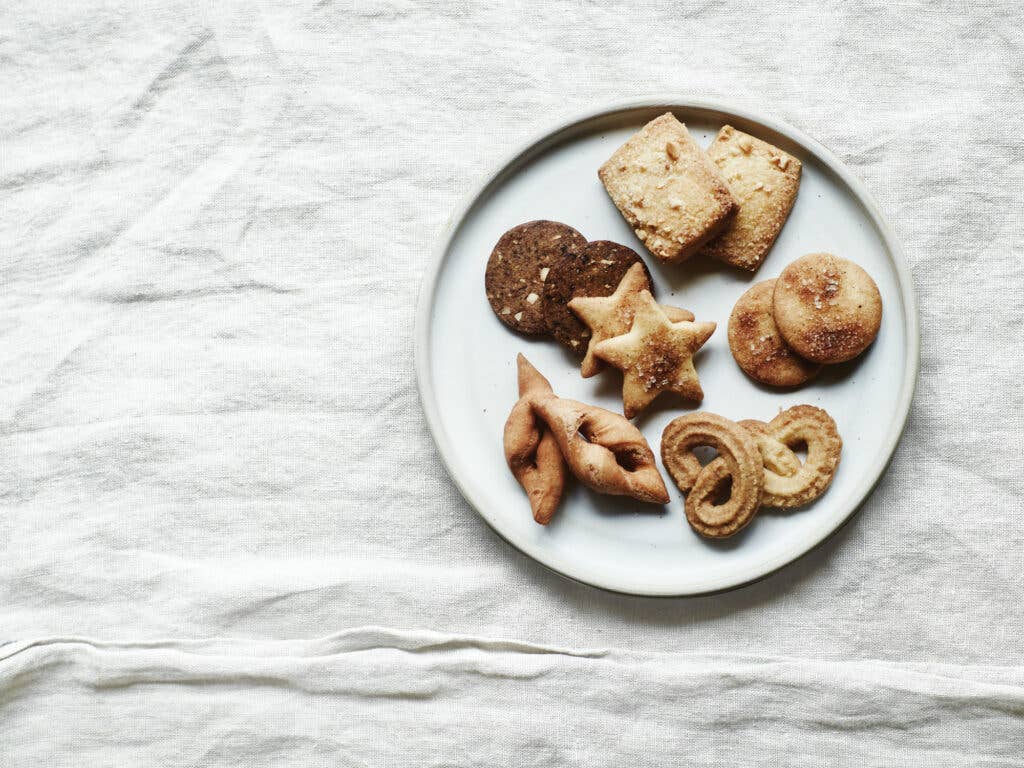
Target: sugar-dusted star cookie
x=611, y=316
x=655, y=356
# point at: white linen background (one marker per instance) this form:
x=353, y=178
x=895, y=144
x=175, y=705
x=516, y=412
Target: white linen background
x=215, y=218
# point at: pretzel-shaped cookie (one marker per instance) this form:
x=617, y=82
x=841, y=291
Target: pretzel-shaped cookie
x=787, y=486
x=531, y=451
x=738, y=459
x=604, y=451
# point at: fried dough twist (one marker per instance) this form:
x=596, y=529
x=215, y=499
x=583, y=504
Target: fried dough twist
x=531, y=450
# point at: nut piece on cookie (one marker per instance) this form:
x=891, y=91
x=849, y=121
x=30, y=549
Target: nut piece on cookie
x=518, y=267
x=826, y=308
x=671, y=194
x=764, y=180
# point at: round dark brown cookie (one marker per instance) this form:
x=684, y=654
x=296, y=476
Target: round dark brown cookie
x=595, y=271
x=757, y=346
x=518, y=267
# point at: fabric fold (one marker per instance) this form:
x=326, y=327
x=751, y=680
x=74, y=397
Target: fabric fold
x=376, y=695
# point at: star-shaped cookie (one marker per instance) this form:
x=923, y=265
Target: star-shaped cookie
x=611, y=316
x=655, y=356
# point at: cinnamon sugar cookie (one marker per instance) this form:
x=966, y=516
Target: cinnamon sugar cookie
x=826, y=308
x=757, y=346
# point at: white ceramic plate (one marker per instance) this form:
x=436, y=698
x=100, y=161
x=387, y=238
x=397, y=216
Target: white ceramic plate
x=465, y=359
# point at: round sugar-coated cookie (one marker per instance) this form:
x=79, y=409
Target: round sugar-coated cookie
x=520, y=263
x=757, y=346
x=595, y=271
x=826, y=308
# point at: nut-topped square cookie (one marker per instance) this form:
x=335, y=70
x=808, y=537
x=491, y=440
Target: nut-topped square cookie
x=764, y=180
x=671, y=194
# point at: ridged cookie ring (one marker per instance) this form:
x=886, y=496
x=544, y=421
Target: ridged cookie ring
x=738, y=459
x=812, y=427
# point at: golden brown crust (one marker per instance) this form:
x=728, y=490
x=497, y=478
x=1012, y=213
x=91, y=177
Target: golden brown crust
x=826, y=308
x=786, y=487
x=777, y=457
x=610, y=316
x=655, y=356
x=531, y=451
x=758, y=347
x=738, y=459
x=604, y=451
x=667, y=189
x=764, y=180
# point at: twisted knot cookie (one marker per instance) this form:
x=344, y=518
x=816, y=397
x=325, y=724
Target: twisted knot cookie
x=531, y=451
x=604, y=451
x=738, y=459
x=788, y=483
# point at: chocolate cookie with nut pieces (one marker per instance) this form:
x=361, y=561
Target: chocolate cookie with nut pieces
x=595, y=271
x=519, y=266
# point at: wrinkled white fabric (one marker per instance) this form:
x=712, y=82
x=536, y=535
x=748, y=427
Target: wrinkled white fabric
x=215, y=217
x=379, y=697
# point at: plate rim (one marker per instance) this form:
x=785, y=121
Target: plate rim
x=551, y=136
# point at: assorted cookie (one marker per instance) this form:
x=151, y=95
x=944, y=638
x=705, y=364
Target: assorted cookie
x=764, y=181
x=739, y=460
x=755, y=459
x=531, y=450
x=518, y=268
x=655, y=356
x=544, y=278
x=593, y=270
x=827, y=309
x=545, y=434
x=820, y=310
x=789, y=484
x=610, y=316
x=757, y=345
x=669, y=191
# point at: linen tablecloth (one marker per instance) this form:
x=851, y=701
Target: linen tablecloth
x=226, y=537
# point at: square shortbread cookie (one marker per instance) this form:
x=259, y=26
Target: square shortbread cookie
x=764, y=180
x=668, y=190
